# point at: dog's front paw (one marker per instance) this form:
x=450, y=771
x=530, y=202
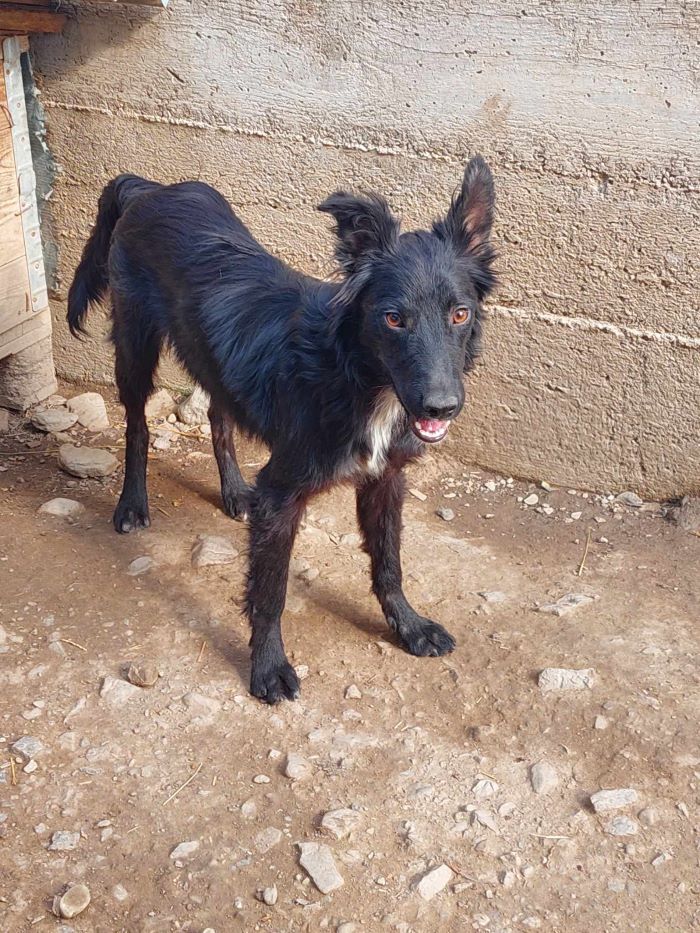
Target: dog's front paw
x=274, y=681
x=424, y=638
x=130, y=515
x=237, y=503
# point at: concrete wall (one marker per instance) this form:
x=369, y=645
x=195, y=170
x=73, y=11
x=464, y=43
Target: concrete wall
x=587, y=111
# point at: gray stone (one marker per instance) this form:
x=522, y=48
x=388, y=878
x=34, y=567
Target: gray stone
x=28, y=747
x=622, y=826
x=600, y=723
x=117, y=692
x=493, y=596
x=317, y=860
x=63, y=508
x=353, y=692
x=202, y=708
x=195, y=408
x=631, y=499
x=566, y=604
x=434, y=881
x=648, y=816
x=687, y=515
x=269, y=895
x=73, y=901
x=447, y=515
x=64, y=841
x=604, y=800
x=211, y=550
x=140, y=565
x=561, y=678
x=297, y=767
x=160, y=404
x=90, y=410
x=86, y=462
x=184, y=850
x=350, y=540
x=142, y=673
x=267, y=839
x=52, y=420
x=340, y=823
x=544, y=777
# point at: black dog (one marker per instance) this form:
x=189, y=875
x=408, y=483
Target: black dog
x=344, y=382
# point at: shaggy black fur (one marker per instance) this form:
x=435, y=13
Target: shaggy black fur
x=343, y=381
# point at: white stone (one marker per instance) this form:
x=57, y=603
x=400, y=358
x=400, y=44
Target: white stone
x=267, y=838
x=202, y=708
x=160, y=404
x=604, y=800
x=297, y=767
x=270, y=895
x=64, y=841
x=212, y=550
x=90, y=410
x=353, y=692
x=485, y=787
x=117, y=692
x=417, y=494
x=532, y=499
x=140, y=565
x=317, y=861
x=53, y=420
x=566, y=604
x=340, y=823
x=434, y=881
x=73, y=902
x=631, y=499
x=195, y=408
x=62, y=508
x=119, y=892
x=622, y=826
x=493, y=596
x=86, y=462
x=544, y=777
x=561, y=678
x=184, y=849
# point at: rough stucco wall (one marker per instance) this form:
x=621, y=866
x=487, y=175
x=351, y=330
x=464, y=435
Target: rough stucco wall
x=588, y=113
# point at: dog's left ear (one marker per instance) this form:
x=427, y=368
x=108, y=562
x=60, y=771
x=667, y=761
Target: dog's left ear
x=470, y=217
x=364, y=226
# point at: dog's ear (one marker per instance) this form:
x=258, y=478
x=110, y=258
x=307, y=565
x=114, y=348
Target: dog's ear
x=470, y=217
x=364, y=226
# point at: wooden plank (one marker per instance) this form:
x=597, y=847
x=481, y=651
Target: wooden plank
x=27, y=21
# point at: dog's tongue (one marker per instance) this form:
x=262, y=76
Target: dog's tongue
x=431, y=425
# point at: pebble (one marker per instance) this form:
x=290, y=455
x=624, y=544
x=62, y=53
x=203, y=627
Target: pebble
x=622, y=826
x=600, y=722
x=162, y=442
x=62, y=508
x=346, y=927
x=202, y=708
x=195, y=408
x=687, y=515
x=604, y=800
x=160, y=404
x=631, y=499
x=28, y=747
x=119, y=892
x=447, y=515
x=566, y=604
x=353, y=692
x=297, y=767
x=507, y=878
x=140, y=565
x=72, y=902
x=648, y=816
x=270, y=895
x=493, y=596
x=86, y=462
x=90, y=410
x=544, y=777
x=350, y=540
x=661, y=858
x=117, y=692
x=561, y=678
x=184, y=849
x=340, y=823
x=317, y=860
x=417, y=494
x=64, y=841
x=267, y=839
x=485, y=787
x=52, y=420
x=532, y=499
x=142, y=673
x=211, y=550
x=261, y=779
x=434, y=881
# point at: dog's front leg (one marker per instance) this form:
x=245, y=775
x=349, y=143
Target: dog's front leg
x=379, y=505
x=274, y=521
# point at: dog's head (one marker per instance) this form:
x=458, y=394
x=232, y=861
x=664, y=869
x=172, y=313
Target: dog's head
x=420, y=293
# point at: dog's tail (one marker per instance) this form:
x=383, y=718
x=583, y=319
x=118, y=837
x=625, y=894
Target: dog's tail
x=91, y=277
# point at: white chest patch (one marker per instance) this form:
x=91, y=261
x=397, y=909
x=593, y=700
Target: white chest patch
x=387, y=412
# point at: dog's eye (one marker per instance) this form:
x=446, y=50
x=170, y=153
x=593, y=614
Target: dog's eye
x=461, y=315
x=393, y=319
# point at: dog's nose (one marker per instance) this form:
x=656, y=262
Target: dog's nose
x=440, y=407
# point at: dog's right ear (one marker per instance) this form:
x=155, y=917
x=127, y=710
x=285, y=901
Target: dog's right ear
x=364, y=226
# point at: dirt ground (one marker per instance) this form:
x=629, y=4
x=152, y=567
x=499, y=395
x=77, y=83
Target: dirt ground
x=433, y=755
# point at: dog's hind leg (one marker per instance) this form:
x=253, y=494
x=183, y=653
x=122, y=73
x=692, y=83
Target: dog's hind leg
x=136, y=356
x=235, y=492
x=379, y=505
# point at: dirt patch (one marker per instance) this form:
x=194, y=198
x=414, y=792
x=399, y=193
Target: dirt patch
x=433, y=757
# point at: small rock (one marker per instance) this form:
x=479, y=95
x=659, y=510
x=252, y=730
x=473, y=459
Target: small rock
x=91, y=410
x=661, y=858
x=265, y=840
x=544, y=777
x=507, y=878
x=576, y=515
x=297, y=767
x=687, y=515
x=622, y=826
x=160, y=404
x=347, y=927
x=30, y=766
x=53, y=420
x=63, y=508
x=86, y=462
x=447, y=515
x=604, y=800
x=212, y=550
x=485, y=787
x=317, y=860
x=64, y=841
x=195, y=408
x=434, y=881
x=202, y=708
x=261, y=779
x=117, y=692
x=340, y=823
x=73, y=901
x=142, y=673
x=162, y=442
x=302, y=671
x=532, y=499
x=353, y=692
x=119, y=892
x=561, y=678
x=350, y=540
x=493, y=596
x=184, y=850
x=648, y=816
x=27, y=747
x=631, y=499
x=269, y=895
x=140, y=565
x=600, y=722
x=310, y=574
x=566, y=604
x=417, y=494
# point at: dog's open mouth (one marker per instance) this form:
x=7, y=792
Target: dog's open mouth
x=430, y=430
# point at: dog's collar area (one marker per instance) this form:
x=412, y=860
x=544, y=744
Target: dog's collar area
x=431, y=430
